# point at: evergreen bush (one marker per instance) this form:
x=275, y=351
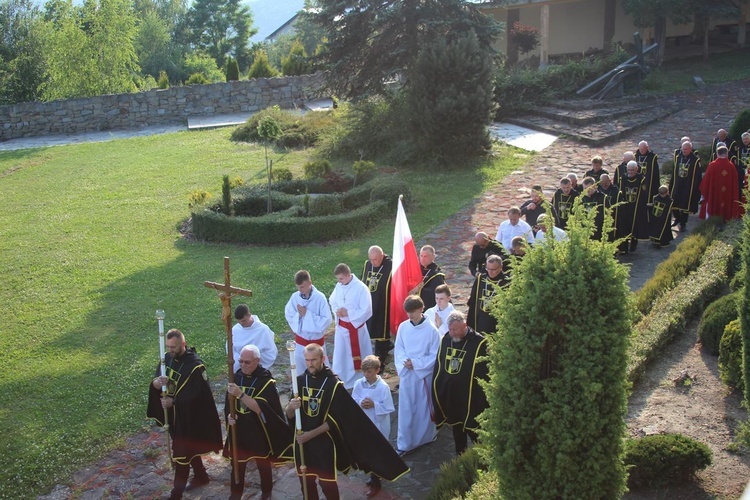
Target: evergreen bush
x=254, y=202
x=163, y=82
x=296, y=63
x=740, y=124
x=302, y=186
x=456, y=477
x=233, y=69
x=557, y=391
x=324, y=204
x=745, y=304
x=226, y=196
x=317, y=169
x=297, y=131
x=664, y=459
x=363, y=171
x=715, y=318
x=730, y=356
x=390, y=191
x=281, y=174
x=449, y=115
x=198, y=197
x=261, y=67
x=197, y=79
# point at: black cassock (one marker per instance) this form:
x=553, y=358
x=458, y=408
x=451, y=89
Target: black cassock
x=353, y=441
x=563, y=204
x=648, y=167
x=432, y=277
x=378, y=280
x=456, y=394
x=659, y=218
x=632, y=213
x=267, y=435
x=482, y=291
x=193, y=421
x=599, y=202
x=684, y=186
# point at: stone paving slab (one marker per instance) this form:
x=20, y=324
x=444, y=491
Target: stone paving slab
x=521, y=137
x=216, y=121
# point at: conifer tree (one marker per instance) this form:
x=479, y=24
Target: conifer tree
x=261, y=68
x=555, y=426
x=296, y=63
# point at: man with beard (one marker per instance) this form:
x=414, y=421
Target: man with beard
x=336, y=434
x=190, y=411
x=483, y=290
x=648, y=167
x=684, y=186
x=632, y=214
x=377, y=276
x=563, y=200
x=262, y=432
x=457, y=396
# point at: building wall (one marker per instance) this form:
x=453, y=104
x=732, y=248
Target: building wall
x=154, y=107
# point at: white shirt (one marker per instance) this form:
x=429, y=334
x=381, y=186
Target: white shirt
x=258, y=334
x=380, y=394
x=557, y=233
x=432, y=311
x=507, y=231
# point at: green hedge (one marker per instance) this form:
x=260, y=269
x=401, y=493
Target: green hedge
x=730, y=356
x=272, y=229
x=715, y=318
x=253, y=202
x=664, y=459
x=669, y=318
x=457, y=476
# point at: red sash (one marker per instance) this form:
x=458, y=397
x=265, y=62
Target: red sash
x=304, y=342
x=354, y=340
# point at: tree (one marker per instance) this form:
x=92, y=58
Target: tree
x=269, y=130
x=233, y=69
x=744, y=302
x=261, y=68
x=221, y=28
x=557, y=389
x=21, y=51
x=373, y=42
x=153, y=45
x=296, y=63
x=450, y=96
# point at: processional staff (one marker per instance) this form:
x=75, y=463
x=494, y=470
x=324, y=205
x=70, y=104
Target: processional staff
x=291, y=346
x=160, y=317
x=226, y=292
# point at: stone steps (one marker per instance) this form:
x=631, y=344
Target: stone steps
x=595, y=123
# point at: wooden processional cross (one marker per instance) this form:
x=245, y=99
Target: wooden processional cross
x=226, y=291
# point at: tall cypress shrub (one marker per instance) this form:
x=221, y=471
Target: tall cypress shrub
x=233, y=69
x=557, y=391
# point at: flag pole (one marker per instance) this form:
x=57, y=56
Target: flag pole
x=160, y=318
x=291, y=346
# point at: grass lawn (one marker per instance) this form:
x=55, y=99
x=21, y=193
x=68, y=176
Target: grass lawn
x=678, y=75
x=90, y=248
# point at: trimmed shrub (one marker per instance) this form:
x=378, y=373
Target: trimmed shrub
x=318, y=169
x=360, y=195
x=281, y=174
x=683, y=260
x=715, y=318
x=276, y=229
x=745, y=304
x=261, y=68
x=197, y=79
x=740, y=124
x=390, y=191
x=664, y=459
x=226, y=196
x=301, y=186
x=669, y=318
x=297, y=130
x=486, y=487
x=730, y=356
x=296, y=63
x=163, y=82
x=363, y=171
x=324, y=204
x=233, y=69
x=557, y=391
x=198, y=197
x=457, y=476
x=253, y=202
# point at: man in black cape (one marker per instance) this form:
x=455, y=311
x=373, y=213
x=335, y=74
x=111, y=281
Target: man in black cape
x=483, y=290
x=337, y=434
x=562, y=201
x=622, y=169
x=536, y=206
x=191, y=412
x=432, y=276
x=659, y=218
x=262, y=432
x=632, y=215
x=684, y=186
x=592, y=199
x=648, y=167
x=377, y=276
x=456, y=394
x=484, y=246
x=722, y=136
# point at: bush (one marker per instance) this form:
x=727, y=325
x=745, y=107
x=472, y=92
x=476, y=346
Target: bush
x=664, y=459
x=744, y=307
x=740, y=124
x=715, y=318
x=297, y=130
x=683, y=260
x=198, y=197
x=730, y=356
x=261, y=68
x=253, y=202
x=200, y=62
x=390, y=191
x=280, y=229
x=324, y=204
x=196, y=79
x=226, y=196
x=457, y=476
x=296, y=63
x=363, y=171
x=236, y=182
x=233, y=69
x=318, y=169
x=163, y=82
x=301, y=186
x=281, y=174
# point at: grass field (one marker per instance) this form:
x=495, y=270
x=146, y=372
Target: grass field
x=678, y=75
x=90, y=248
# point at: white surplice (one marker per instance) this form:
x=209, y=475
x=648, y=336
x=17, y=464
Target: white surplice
x=311, y=326
x=432, y=311
x=380, y=394
x=355, y=298
x=420, y=344
x=258, y=334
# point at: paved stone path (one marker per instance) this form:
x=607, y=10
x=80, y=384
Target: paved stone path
x=138, y=470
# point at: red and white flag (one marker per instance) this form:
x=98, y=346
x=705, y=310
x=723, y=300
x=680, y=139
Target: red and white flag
x=407, y=272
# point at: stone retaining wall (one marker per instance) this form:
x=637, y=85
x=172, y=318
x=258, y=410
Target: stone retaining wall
x=154, y=107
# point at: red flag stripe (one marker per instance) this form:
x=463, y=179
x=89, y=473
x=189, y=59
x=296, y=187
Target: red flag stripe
x=406, y=270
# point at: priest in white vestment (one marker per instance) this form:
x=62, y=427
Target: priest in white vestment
x=352, y=307
x=417, y=345
x=309, y=317
x=438, y=315
x=251, y=330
